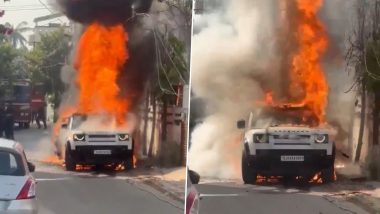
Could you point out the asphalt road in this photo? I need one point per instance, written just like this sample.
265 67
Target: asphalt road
60 193
235 197
87 192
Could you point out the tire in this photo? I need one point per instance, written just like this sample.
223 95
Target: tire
328 174
26 125
249 175
69 160
128 163
288 180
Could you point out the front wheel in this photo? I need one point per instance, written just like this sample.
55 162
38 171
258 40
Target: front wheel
128 163
69 160
248 173
328 174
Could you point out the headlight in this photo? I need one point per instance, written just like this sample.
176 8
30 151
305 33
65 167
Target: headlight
321 138
79 137
123 137
260 138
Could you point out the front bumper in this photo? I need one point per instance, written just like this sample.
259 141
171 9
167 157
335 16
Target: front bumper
86 154
28 206
268 162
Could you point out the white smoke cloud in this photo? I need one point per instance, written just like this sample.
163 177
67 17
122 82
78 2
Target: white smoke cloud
229 54
103 123
338 16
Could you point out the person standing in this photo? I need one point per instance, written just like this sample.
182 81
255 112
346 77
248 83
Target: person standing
41 116
9 122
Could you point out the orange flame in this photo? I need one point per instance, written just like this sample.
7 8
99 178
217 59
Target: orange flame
306 73
308 85
53 160
134 161
102 53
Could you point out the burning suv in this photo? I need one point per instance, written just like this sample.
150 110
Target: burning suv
79 144
279 145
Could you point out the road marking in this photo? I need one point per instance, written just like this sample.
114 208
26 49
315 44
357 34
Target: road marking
52 179
218 195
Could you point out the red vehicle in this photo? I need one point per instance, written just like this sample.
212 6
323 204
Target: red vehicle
25 99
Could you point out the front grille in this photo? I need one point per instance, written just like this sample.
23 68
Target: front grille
101 136
297 137
292 144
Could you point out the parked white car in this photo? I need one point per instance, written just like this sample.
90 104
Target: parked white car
17 185
79 145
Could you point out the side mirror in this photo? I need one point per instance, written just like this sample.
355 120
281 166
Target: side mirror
31 167
64 126
241 124
194 177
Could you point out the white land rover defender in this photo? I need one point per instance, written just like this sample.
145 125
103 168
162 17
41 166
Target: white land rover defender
93 147
274 147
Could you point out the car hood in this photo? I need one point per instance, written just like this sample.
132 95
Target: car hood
77 131
11 186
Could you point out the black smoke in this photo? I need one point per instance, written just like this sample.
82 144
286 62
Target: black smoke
104 11
141 64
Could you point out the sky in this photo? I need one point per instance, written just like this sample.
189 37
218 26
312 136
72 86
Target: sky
17 11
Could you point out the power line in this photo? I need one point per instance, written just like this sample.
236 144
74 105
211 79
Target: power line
21 5
159 67
52 12
26 9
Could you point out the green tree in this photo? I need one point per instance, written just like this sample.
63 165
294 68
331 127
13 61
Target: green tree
173 69
46 60
12 66
16 38
364 56
7 55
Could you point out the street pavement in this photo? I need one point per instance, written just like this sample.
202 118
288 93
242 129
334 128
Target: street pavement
231 196
95 192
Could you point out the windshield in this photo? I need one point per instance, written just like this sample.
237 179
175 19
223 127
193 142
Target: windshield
21 93
266 120
78 120
11 164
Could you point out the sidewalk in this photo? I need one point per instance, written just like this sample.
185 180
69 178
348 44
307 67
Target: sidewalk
170 181
353 186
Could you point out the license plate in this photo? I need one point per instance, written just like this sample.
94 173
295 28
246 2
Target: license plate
102 152
292 158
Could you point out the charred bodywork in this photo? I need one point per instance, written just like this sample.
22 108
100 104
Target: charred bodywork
272 147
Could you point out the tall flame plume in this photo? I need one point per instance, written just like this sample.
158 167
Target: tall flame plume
102 54
308 86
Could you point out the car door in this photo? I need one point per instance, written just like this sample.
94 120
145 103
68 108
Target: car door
63 133
12 174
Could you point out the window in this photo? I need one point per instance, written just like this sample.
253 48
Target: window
21 93
11 164
77 121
